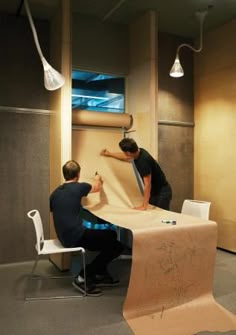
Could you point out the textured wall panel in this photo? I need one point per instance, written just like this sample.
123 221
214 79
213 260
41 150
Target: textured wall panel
24 182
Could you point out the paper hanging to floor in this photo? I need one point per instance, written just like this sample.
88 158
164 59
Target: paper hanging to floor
170 288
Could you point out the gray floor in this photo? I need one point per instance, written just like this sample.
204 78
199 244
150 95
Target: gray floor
86 316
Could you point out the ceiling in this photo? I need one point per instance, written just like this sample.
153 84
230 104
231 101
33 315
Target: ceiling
175 16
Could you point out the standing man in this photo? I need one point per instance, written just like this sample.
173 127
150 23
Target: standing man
157 191
68 216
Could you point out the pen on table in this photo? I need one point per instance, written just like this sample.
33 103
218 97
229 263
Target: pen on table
173 222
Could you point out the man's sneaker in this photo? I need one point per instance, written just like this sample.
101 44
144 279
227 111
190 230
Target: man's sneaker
91 290
105 281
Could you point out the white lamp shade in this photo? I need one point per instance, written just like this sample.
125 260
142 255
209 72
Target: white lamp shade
52 78
176 70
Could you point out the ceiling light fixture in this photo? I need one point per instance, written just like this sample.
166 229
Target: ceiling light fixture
52 78
177 70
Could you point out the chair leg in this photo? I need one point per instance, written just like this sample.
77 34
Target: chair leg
34 266
32 276
84 267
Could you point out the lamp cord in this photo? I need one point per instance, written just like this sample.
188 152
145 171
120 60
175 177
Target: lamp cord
113 9
33 29
19 8
201 19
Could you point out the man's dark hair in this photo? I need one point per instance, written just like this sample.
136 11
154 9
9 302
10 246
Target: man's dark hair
70 170
128 145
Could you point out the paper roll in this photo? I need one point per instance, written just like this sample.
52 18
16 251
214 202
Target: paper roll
101 119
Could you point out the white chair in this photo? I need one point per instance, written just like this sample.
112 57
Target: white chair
47 247
196 208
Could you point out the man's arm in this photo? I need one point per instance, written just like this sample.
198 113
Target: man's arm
97 184
117 155
146 192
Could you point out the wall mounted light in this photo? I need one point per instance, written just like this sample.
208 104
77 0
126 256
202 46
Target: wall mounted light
52 78
177 70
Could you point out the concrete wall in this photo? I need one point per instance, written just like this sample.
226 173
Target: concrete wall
21 79
99 46
215 141
23 136
142 88
175 105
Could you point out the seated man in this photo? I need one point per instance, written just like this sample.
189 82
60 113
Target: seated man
68 214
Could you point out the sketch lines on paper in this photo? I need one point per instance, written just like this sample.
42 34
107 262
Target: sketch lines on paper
174 273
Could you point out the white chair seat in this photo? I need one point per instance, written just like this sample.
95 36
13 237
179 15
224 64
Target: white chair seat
55 247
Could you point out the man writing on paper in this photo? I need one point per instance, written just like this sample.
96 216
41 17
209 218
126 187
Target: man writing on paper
69 217
157 191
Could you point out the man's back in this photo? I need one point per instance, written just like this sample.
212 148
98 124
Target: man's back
65 204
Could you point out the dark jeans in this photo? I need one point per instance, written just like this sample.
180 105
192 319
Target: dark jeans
106 243
163 198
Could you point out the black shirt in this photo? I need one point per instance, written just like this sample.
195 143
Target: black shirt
147 165
65 205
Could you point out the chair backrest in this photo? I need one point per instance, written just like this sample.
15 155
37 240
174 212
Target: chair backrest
35 216
196 208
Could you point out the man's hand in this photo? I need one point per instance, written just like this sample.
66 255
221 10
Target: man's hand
141 208
98 178
97 184
121 156
105 152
